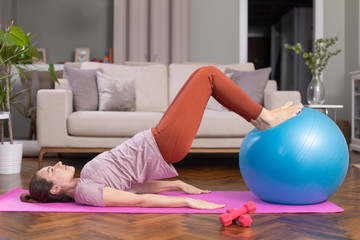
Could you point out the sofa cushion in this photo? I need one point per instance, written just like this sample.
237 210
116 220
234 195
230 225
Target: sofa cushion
252 82
179 73
151 83
83 87
110 124
223 124
127 124
115 93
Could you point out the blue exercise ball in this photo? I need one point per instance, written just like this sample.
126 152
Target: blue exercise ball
303 160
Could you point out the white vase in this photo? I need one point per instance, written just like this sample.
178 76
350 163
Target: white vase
10 157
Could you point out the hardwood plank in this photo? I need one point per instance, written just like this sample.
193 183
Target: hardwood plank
209 171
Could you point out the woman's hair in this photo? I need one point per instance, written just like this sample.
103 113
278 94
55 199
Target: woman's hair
39 190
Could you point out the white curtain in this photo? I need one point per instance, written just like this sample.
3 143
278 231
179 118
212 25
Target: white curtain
152 31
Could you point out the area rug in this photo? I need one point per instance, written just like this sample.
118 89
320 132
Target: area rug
10 202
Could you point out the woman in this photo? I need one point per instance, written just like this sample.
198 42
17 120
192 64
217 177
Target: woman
124 176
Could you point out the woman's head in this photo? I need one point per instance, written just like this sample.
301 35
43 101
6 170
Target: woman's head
49 183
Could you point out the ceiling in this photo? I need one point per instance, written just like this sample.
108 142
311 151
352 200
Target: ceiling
267 12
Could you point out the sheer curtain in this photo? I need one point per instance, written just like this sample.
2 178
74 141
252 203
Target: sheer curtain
152 31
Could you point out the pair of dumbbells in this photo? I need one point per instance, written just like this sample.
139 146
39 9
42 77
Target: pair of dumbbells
241 215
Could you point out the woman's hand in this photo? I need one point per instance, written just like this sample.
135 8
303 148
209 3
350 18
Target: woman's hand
190 189
201 204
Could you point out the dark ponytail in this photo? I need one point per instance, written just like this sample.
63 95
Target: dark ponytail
39 190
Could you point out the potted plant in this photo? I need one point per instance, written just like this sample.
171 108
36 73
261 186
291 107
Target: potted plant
15 52
316 62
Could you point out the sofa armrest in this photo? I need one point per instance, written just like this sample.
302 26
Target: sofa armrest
275 99
53 109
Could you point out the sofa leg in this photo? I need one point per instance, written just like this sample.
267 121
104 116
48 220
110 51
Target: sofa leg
41 156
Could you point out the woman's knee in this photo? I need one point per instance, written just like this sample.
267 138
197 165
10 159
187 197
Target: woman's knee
209 69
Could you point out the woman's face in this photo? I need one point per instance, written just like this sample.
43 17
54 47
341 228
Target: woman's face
59 174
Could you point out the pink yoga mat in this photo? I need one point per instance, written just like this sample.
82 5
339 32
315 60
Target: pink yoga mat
10 202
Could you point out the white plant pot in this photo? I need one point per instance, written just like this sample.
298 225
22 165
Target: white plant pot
10 157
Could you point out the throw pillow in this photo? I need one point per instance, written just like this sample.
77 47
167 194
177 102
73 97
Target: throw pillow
116 93
215 105
83 86
252 83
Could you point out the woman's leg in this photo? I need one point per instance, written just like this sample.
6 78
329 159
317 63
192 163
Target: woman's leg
176 130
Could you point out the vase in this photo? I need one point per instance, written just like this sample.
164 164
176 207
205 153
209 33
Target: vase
10 157
315 91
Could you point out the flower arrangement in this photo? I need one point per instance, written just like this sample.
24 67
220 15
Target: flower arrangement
318 60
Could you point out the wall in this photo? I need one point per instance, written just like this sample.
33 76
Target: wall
335 79
352 47
214 35
62 26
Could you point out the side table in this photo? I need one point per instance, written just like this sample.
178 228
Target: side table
326 108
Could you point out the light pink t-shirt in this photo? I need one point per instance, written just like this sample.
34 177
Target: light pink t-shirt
137 160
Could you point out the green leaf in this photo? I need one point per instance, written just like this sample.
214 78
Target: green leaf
10 40
20 36
52 73
1 60
33 52
21 72
2 36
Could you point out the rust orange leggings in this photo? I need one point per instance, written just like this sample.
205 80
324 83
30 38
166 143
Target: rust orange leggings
176 130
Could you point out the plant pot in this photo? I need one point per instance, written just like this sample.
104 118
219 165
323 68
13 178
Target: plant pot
4 115
10 157
316 91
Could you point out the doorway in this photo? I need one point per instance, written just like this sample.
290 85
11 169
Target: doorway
271 23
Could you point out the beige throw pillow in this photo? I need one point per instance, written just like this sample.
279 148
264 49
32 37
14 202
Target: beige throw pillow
115 93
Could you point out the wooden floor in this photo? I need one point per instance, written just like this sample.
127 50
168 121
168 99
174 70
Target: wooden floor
212 172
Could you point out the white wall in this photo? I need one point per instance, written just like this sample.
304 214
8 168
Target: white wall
214 35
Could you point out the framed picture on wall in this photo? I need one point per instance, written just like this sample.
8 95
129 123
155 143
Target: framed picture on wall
82 54
42 57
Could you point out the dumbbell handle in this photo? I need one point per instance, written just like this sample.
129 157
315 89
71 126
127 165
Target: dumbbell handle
236 213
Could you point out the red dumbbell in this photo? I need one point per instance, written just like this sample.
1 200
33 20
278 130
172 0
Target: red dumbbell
231 214
244 220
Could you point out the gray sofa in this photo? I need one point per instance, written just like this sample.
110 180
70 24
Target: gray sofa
63 130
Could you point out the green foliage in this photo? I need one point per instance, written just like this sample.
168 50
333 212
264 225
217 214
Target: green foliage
318 60
15 53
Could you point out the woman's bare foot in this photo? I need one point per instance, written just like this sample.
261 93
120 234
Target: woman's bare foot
270 118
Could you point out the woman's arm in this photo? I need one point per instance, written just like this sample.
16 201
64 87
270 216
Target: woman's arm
161 186
117 198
